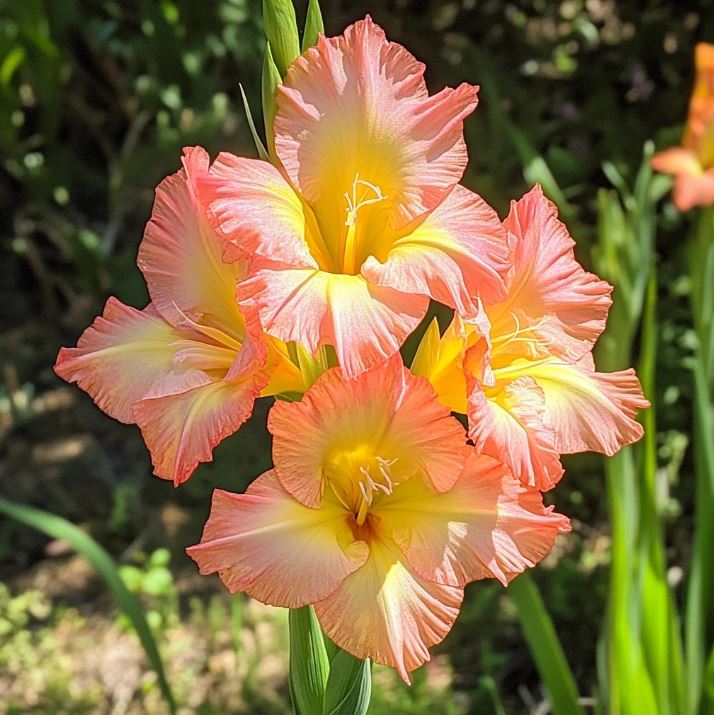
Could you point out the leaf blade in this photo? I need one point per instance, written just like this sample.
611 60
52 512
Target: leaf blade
59 528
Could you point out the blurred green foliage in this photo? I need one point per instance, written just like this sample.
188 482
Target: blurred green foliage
97 97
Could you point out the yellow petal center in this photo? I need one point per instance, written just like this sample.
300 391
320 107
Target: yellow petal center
360 480
355 226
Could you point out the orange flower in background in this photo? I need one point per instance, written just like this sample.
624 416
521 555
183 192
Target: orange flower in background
188 368
524 372
692 164
365 220
377 513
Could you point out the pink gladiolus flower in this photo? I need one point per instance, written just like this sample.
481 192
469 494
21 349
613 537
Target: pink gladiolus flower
364 221
524 373
692 164
188 368
378 514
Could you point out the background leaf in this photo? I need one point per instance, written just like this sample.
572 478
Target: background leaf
59 528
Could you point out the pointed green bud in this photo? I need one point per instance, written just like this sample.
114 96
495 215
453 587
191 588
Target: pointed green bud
280 27
313 25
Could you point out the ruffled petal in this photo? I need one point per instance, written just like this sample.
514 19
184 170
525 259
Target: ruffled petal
546 280
181 430
366 324
508 423
125 355
387 413
676 160
589 410
358 105
280 552
488 526
256 211
692 190
180 255
458 253
386 612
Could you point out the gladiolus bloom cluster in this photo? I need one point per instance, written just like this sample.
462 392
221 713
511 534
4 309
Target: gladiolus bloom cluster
692 163
301 278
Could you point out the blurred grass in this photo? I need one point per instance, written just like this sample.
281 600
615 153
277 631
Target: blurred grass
58 528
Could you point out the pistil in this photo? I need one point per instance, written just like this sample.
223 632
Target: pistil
354 204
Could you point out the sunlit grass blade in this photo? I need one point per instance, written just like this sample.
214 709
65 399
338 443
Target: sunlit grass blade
545 647
59 528
661 639
629 686
699 623
699 593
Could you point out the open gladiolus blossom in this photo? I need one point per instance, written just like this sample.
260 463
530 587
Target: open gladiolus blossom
692 163
300 277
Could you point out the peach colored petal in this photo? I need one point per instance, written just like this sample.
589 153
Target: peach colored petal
546 279
387 413
180 255
487 526
676 160
386 612
366 324
699 132
508 423
266 543
589 410
256 211
459 252
358 104
693 190
123 356
181 430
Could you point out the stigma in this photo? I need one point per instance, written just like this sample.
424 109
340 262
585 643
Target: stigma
354 204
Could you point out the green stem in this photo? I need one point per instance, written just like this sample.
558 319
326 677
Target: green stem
699 625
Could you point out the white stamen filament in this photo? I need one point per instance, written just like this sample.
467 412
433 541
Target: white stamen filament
369 486
354 205
517 335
